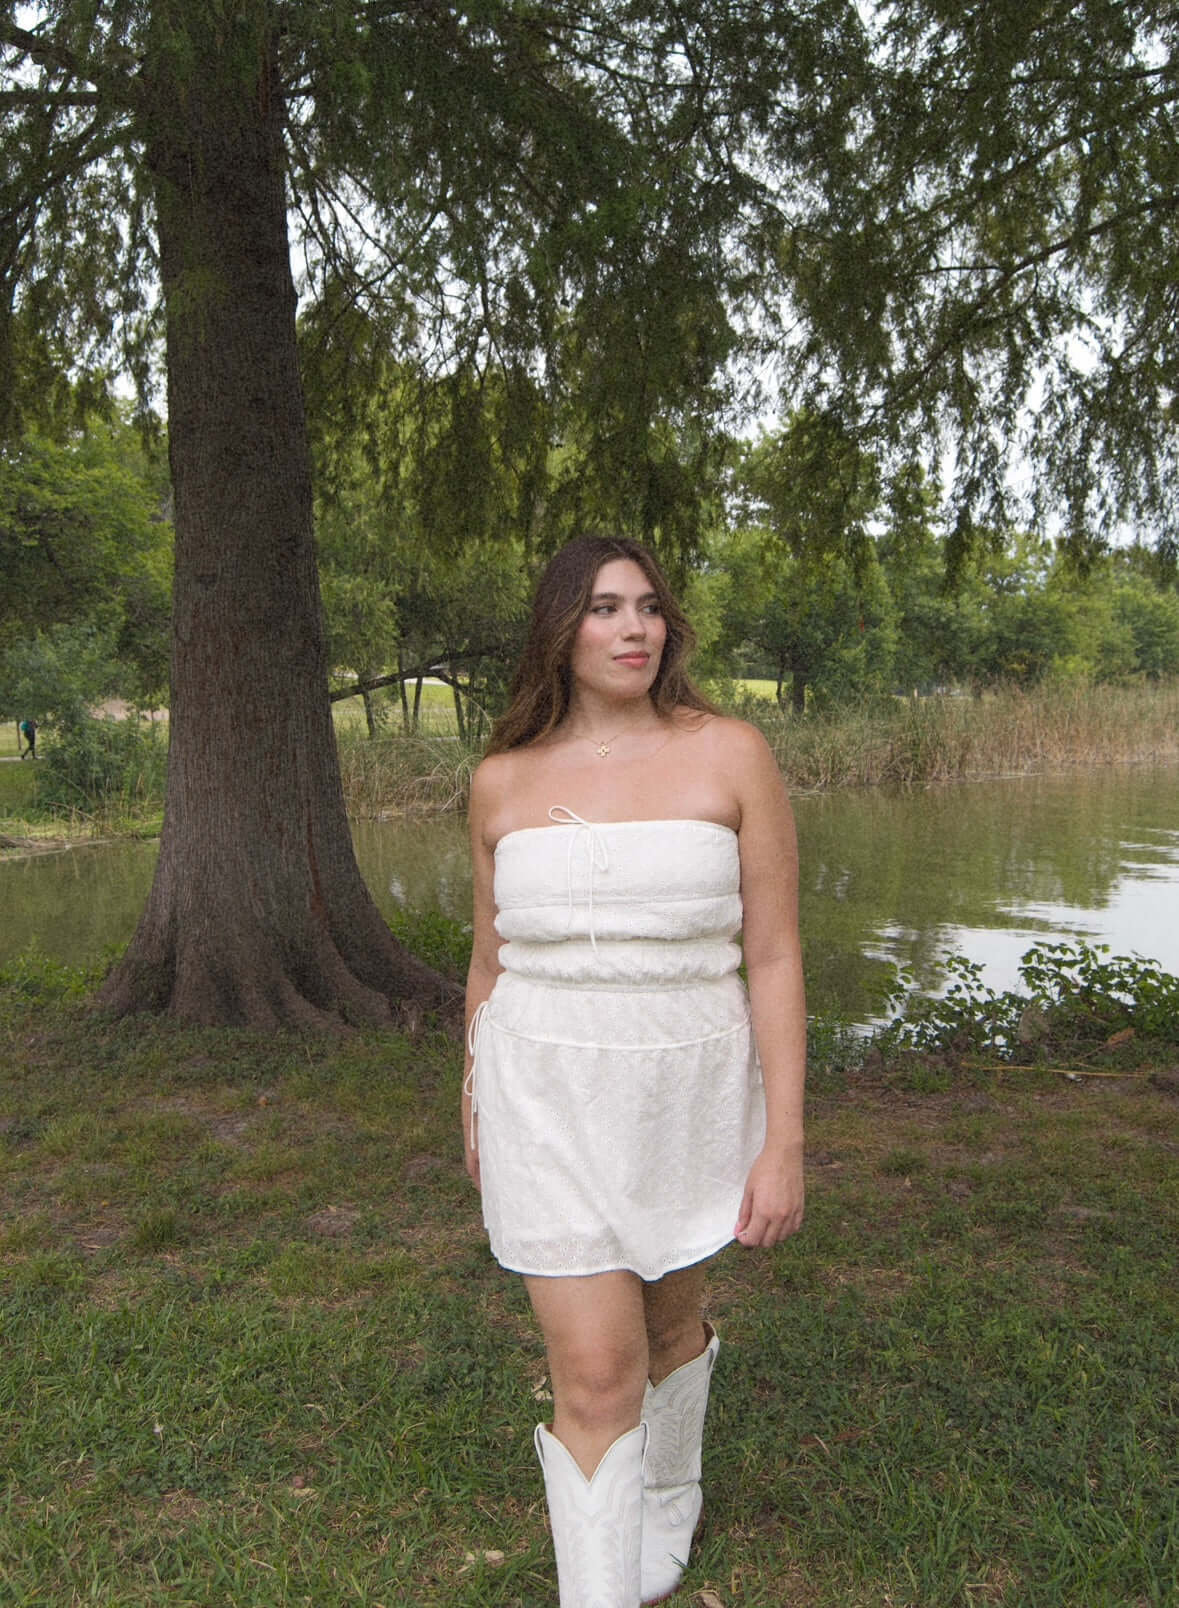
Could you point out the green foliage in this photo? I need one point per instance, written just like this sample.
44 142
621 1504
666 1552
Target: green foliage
1074 998
819 624
58 675
815 488
626 214
37 978
443 943
412 580
1000 226
967 1016
858 613
76 516
1092 994
1149 618
834 1053
83 543
99 765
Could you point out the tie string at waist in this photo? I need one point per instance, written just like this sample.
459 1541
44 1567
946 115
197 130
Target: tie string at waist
469 1089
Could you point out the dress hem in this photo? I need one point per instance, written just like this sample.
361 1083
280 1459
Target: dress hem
677 1265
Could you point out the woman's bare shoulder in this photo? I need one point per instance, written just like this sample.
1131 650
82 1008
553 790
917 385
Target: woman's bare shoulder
498 785
727 738
492 771
491 784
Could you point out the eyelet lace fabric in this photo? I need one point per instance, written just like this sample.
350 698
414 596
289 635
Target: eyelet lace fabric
619 1098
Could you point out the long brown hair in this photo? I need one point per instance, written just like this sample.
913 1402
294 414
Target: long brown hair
542 685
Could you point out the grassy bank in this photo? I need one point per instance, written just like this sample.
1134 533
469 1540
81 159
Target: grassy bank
254 1350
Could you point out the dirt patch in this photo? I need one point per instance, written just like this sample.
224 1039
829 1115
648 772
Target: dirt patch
100 1238
420 1169
334 1222
181 1507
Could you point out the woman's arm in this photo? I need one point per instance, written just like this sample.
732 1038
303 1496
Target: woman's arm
772 1207
485 966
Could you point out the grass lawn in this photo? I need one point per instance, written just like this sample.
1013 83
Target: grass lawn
254 1351
435 714
16 788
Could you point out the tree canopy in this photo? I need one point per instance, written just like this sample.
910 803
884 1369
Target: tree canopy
956 220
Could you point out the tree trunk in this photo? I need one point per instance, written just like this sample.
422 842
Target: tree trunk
258 913
401 690
459 719
798 686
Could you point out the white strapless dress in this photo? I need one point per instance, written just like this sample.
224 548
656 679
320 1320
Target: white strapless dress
619 1101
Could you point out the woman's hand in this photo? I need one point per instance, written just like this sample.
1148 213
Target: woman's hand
772 1206
470 1141
472 1158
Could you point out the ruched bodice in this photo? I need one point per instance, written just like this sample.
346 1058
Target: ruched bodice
618 1096
573 898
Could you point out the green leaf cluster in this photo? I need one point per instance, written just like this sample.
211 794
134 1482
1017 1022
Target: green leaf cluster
85 554
1072 995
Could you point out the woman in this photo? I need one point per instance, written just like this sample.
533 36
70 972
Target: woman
627 1109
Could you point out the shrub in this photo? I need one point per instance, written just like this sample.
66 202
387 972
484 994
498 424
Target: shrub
1072 995
100 765
436 939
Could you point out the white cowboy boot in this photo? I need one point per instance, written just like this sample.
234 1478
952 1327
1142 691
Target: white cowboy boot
673 1411
596 1523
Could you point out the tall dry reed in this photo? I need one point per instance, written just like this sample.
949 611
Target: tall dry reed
421 774
902 743
1010 733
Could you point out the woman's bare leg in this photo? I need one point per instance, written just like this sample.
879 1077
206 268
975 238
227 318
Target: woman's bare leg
673 1311
596 1338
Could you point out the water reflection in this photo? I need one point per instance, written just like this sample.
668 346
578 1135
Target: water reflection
987 870
888 879
421 865
75 903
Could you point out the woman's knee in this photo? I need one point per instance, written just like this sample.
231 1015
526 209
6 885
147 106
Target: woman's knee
599 1384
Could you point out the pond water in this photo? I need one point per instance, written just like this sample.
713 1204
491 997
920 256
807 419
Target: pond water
888 879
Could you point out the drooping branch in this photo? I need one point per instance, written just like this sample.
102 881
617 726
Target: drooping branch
50 100
46 51
427 667
972 315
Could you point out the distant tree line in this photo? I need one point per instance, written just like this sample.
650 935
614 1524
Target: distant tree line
819 573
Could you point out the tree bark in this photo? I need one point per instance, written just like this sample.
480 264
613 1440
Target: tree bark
459 720
798 686
258 913
402 692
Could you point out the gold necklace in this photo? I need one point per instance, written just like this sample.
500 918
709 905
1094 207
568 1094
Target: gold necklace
603 745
